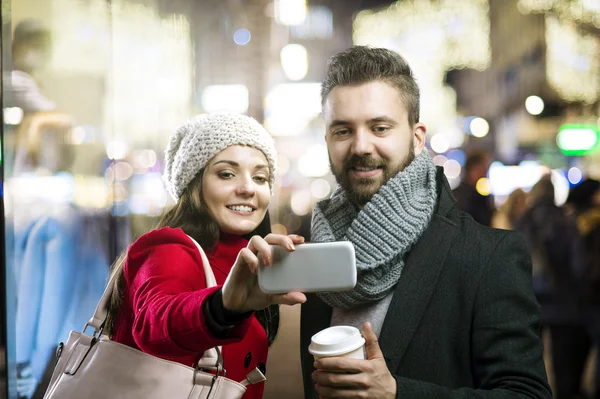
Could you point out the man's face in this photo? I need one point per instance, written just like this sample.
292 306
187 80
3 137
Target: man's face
368 137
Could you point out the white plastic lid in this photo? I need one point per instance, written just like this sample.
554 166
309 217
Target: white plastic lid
334 341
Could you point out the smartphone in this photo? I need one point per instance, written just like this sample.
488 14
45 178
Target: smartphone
314 267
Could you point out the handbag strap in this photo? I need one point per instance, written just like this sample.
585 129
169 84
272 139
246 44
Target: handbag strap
211 359
98 319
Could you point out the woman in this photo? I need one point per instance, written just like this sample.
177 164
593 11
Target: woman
220 169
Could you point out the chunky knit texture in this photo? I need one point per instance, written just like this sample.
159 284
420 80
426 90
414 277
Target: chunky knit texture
194 143
382 232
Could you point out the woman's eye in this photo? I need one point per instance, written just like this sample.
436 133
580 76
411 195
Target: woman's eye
260 179
226 175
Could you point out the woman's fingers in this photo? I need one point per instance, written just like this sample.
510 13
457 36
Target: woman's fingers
291 298
250 259
296 239
261 247
281 240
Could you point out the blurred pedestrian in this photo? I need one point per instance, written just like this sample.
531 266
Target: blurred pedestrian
469 200
584 200
511 211
557 255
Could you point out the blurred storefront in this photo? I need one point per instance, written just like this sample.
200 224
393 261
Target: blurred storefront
91 92
544 76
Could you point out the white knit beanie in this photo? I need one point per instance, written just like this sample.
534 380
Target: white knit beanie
194 144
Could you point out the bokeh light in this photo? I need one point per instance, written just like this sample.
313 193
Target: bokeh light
534 105
483 186
439 143
320 188
452 169
479 127
242 37
294 61
301 202
575 175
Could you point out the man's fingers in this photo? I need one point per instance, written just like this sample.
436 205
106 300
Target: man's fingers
340 364
326 392
340 380
372 344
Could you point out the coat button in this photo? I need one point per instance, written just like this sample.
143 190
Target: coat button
247 360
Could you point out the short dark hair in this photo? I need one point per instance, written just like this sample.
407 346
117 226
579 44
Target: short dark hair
581 196
362 64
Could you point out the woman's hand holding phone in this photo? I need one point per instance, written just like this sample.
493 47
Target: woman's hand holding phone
241 292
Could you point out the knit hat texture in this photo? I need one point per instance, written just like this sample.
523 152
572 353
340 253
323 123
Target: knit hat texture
194 144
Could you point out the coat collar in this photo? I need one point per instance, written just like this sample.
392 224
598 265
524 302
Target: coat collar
414 289
419 278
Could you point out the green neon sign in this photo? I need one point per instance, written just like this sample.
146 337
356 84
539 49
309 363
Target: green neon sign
578 139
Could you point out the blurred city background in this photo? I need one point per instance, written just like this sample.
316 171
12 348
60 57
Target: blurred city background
92 89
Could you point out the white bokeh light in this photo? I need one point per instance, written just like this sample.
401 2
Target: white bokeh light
116 149
439 143
320 188
479 127
452 169
13 115
561 187
301 202
290 12
534 105
439 160
314 162
575 175
294 61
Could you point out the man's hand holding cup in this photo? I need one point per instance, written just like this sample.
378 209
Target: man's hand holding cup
350 366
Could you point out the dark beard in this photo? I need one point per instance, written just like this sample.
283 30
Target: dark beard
362 190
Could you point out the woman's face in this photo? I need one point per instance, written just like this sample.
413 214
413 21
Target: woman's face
235 187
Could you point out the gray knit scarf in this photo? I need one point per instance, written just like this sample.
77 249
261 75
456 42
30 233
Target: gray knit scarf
382 232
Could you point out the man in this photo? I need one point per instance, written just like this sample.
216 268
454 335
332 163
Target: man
468 199
445 304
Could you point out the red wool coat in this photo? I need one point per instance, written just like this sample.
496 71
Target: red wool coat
161 313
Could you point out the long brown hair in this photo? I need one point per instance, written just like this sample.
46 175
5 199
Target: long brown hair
191 215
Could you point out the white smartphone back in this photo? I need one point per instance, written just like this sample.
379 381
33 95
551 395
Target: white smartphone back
310 268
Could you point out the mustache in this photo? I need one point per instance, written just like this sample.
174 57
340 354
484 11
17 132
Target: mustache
365 161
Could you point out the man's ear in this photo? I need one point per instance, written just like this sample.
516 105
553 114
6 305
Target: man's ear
419 132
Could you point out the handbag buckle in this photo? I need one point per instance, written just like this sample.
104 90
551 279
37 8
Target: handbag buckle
97 332
218 369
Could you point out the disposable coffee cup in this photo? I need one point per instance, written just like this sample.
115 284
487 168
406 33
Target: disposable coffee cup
344 341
